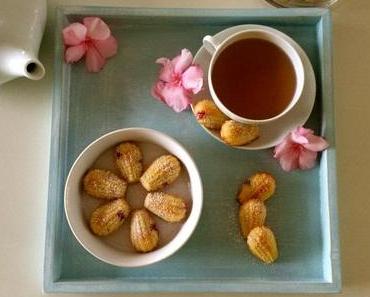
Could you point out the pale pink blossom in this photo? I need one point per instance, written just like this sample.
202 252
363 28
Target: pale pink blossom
178 80
91 39
299 148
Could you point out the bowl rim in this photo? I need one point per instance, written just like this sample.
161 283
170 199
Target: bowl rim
182 235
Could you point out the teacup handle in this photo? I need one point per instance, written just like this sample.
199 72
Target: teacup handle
210 44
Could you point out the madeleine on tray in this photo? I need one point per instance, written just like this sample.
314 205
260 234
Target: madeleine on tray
260 185
251 214
262 243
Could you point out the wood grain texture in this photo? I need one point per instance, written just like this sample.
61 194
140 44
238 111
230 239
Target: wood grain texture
302 213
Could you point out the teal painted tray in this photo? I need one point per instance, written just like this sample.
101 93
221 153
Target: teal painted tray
303 213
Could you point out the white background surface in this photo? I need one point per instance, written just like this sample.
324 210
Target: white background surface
25 115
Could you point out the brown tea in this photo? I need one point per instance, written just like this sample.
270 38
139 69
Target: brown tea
254 79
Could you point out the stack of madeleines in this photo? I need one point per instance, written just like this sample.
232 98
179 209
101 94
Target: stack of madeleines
252 215
231 132
104 184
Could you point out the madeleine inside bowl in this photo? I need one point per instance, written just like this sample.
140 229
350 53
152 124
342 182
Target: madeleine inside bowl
116 248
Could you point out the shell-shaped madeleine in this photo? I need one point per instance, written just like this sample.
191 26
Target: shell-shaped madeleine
251 214
234 133
170 208
261 242
261 185
144 234
109 217
208 114
104 184
128 159
163 171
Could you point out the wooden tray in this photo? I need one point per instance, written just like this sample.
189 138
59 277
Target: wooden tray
303 213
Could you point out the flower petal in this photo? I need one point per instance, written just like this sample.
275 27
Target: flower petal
298 136
175 97
163 61
156 90
283 147
94 60
192 79
96 28
74 34
316 143
181 62
303 131
307 159
74 53
289 160
107 48
166 74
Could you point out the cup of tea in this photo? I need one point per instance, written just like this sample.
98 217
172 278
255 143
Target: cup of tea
254 76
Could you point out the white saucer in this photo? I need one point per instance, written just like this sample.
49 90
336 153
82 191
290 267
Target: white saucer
270 133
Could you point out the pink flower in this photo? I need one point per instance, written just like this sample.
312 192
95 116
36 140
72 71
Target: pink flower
299 149
178 80
93 39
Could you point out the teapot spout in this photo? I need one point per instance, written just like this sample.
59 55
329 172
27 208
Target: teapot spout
34 70
16 63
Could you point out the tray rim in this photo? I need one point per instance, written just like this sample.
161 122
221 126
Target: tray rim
53 284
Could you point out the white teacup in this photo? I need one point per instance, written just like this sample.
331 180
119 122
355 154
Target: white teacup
215 49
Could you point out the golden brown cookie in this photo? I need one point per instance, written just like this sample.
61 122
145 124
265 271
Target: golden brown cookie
144 235
128 159
234 133
208 114
261 185
261 242
251 214
104 184
163 171
109 217
170 208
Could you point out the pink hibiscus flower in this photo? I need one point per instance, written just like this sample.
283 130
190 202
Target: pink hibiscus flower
299 149
92 38
178 80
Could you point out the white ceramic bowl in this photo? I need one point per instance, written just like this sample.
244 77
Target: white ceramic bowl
73 198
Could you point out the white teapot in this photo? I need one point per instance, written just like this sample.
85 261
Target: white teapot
22 25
